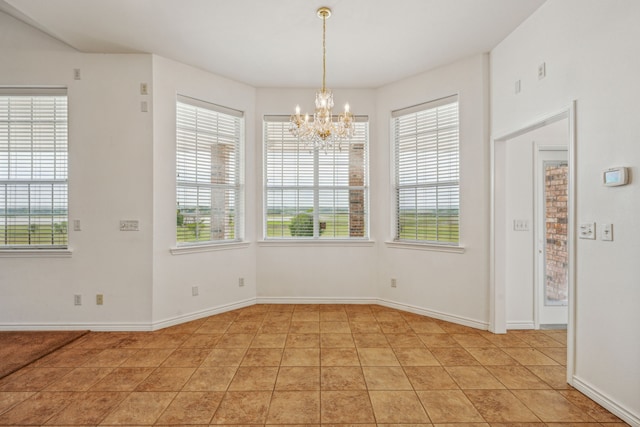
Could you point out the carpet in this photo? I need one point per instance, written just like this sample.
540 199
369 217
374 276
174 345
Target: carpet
18 349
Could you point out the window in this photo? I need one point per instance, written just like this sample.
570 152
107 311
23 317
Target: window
208 168
315 194
427 172
33 168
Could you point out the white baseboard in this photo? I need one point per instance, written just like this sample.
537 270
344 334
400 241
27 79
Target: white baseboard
385 303
115 327
125 327
520 325
142 327
172 321
460 320
315 300
606 402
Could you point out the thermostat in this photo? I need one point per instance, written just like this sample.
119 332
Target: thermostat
613 177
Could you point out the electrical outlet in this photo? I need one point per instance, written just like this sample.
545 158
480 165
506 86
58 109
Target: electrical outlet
144 89
542 71
194 291
77 299
241 282
99 299
76 74
76 225
144 106
394 283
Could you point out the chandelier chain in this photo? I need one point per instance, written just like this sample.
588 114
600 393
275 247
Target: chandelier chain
324 51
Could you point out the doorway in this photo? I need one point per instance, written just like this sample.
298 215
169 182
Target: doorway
551 177
502 226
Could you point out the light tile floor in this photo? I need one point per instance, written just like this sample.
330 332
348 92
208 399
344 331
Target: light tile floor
304 364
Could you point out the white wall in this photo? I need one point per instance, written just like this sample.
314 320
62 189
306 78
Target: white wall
109 179
320 271
592 56
216 273
449 285
519 204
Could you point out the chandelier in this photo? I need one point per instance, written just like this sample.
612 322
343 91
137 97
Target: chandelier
322 132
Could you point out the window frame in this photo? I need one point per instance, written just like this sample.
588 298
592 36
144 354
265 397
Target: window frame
58 167
316 188
399 241
237 187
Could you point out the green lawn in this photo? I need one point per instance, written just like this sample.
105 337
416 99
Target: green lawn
186 233
422 227
336 225
426 227
35 234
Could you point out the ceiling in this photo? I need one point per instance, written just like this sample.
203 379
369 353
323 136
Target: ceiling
278 43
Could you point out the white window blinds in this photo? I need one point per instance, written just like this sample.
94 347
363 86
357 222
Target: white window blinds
208 168
427 172
33 168
315 193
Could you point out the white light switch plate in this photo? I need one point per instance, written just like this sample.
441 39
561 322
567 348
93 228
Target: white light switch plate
587 230
607 232
129 225
520 225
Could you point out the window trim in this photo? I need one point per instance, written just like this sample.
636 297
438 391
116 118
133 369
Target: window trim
304 241
40 250
239 187
451 247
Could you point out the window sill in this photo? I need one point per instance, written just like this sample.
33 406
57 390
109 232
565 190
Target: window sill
35 253
426 247
192 249
316 242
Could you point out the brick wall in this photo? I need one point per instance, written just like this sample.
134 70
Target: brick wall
556 234
220 154
356 197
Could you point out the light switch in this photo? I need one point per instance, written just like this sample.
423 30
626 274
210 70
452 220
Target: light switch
587 230
129 225
520 225
607 232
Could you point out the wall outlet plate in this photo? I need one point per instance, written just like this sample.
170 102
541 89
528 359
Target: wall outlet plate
542 71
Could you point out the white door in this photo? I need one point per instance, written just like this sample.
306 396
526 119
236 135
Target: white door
551 235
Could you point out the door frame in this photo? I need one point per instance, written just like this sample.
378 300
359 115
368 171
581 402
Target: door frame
497 288
538 191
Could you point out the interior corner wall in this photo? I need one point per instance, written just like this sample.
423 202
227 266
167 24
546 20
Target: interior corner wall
110 143
216 273
316 272
452 286
592 55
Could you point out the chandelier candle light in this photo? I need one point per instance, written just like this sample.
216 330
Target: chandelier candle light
322 132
